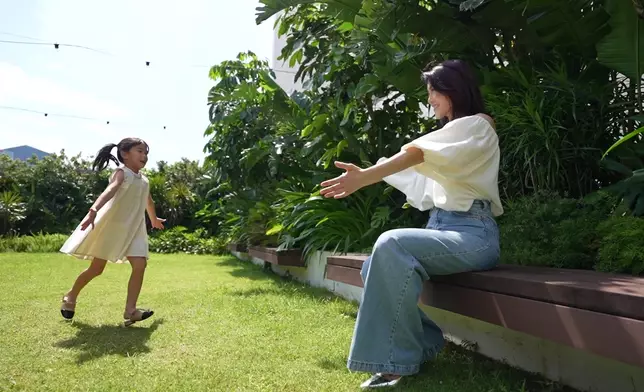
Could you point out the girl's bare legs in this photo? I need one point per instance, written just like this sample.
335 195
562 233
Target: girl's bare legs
134 289
136 282
68 307
95 269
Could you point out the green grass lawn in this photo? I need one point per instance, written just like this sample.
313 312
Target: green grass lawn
220 325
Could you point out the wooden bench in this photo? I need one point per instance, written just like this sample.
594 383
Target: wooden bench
597 312
234 247
286 258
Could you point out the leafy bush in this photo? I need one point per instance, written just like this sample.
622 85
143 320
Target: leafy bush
311 222
621 245
175 240
177 193
12 210
52 195
546 230
40 243
542 143
56 190
179 240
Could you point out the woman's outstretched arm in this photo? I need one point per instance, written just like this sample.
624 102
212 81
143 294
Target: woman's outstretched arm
355 178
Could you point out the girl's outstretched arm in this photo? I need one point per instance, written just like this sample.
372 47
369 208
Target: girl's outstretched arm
355 178
107 195
156 222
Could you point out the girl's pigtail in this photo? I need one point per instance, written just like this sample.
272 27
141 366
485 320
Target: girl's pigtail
104 157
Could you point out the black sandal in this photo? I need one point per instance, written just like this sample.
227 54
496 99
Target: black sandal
68 308
137 315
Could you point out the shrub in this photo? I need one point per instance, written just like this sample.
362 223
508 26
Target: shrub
179 240
546 230
12 210
621 245
176 240
40 243
311 222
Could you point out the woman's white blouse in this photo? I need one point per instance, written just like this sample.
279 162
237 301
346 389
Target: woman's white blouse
461 165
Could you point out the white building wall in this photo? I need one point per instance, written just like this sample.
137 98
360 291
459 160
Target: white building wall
284 75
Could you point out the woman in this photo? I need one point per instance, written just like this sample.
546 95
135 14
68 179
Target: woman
453 172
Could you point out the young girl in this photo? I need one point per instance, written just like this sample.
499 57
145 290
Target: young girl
116 225
453 172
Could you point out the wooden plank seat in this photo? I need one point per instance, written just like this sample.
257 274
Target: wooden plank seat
597 312
287 257
345 269
235 247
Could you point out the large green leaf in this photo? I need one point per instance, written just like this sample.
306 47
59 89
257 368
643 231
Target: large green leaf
632 191
623 48
624 139
368 84
272 7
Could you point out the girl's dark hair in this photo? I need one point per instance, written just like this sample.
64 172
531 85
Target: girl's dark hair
455 79
104 155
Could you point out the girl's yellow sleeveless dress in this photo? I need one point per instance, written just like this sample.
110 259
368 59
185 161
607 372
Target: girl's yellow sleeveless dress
119 228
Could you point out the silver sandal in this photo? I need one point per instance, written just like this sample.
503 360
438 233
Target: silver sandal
378 381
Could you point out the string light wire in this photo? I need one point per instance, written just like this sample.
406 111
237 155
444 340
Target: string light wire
57 46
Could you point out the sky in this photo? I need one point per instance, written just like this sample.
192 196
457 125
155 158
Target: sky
179 39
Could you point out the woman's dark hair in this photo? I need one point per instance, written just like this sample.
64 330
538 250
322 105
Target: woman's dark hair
455 79
104 155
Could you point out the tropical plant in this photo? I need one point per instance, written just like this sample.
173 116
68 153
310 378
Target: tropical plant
177 191
560 95
12 210
558 108
57 191
311 222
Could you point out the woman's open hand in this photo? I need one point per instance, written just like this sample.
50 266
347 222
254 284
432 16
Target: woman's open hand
344 185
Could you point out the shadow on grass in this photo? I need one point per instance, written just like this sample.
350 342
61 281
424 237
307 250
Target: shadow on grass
248 270
468 370
458 369
282 285
96 341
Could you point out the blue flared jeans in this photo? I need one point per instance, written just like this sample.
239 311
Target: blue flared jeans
392 335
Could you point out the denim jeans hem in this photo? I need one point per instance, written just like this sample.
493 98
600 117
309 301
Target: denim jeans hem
392 368
388 368
432 353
